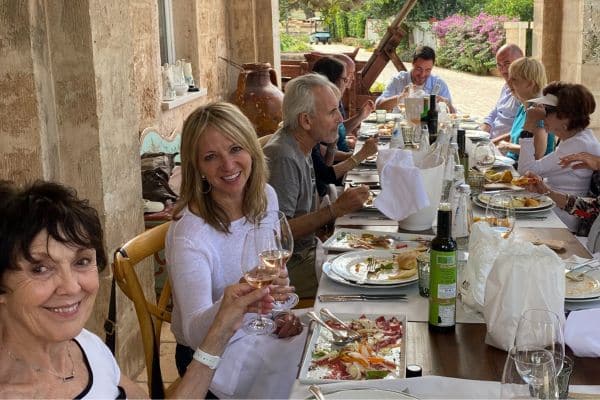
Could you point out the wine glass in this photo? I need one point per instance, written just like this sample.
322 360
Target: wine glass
500 214
261 264
278 221
529 376
541 330
484 155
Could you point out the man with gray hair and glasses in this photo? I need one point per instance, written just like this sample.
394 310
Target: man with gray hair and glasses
500 119
310 116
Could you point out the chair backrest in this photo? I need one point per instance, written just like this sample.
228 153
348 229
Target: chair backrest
150 314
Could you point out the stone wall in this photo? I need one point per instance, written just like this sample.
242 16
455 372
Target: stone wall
81 79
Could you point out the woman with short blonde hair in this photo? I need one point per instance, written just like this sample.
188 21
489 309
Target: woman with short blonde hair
526 79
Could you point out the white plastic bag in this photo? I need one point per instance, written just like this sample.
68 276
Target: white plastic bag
484 246
523 276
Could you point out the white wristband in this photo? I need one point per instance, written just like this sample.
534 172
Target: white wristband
209 360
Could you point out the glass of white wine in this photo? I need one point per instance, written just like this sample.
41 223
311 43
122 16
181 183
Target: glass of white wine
529 376
278 221
500 214
261 264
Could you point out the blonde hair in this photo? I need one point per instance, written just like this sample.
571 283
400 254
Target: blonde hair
195 191
529 69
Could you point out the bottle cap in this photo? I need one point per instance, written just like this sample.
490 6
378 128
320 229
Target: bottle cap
413 370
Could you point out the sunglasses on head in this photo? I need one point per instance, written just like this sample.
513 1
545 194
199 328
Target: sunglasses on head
549 109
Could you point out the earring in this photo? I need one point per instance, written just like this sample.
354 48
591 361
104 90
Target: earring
206 182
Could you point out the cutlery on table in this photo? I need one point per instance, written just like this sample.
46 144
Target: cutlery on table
576 274
326 313
340 337
316 391
325 298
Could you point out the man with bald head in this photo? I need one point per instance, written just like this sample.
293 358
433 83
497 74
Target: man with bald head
501 118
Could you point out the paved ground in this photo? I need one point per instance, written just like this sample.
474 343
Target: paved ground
472 94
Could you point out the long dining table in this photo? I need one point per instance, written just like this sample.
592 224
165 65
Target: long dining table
462 354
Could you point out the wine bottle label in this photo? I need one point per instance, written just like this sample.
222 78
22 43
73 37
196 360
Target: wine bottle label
442 288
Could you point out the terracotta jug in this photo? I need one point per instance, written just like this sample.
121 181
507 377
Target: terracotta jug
259 98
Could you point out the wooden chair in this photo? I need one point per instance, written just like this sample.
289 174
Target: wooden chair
150 314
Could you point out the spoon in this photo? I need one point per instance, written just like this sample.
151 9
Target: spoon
350 332
316 391
340 337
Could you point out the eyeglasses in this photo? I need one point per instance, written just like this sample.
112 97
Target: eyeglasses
345 79
550 109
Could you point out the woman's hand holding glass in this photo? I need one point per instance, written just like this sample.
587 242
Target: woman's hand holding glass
284 295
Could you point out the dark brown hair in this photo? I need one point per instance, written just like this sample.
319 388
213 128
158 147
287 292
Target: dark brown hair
575 102
49 206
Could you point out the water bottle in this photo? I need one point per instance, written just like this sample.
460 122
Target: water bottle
463 217
397 140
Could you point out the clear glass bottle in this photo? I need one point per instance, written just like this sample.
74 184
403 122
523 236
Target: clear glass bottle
397 140
463 217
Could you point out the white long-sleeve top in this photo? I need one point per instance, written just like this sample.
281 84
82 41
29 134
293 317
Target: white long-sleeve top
202 262
566 180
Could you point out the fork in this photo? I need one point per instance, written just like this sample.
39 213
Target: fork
577 274
371 265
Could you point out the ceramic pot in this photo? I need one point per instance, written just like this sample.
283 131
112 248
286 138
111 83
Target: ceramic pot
259 98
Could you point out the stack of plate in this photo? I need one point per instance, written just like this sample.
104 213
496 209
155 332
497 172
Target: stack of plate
546 203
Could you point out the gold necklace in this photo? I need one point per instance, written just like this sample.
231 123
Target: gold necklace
39 369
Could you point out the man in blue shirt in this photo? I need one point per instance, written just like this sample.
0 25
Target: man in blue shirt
418 76
500 119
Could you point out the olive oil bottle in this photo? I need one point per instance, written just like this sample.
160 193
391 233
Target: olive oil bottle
442 278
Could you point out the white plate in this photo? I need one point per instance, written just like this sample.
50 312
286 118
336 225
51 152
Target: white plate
336 278
365 393
475 134
388 117
545 202
468 125
339 240
321 338
586 290
541 212
352 267
502 161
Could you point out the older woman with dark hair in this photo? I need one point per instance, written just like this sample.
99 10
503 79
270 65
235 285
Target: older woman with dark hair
565 109
224 191
50 254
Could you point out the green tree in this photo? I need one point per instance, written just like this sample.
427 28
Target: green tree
522 9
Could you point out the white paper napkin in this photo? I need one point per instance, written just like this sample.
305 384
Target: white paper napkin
582 332
402 189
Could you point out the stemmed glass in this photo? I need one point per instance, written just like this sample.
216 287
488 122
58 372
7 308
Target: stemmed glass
261 264
500 214
541 330
484 155
529 376
278 221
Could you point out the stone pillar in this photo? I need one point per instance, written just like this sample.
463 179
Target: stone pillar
590 61
66 75
516 32
547 32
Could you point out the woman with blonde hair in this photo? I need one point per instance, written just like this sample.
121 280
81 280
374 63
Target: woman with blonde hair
526 78
223 193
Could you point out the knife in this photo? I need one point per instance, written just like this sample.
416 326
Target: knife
360 297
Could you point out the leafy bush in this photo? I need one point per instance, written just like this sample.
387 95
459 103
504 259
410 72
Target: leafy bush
469 43
293 43
521 9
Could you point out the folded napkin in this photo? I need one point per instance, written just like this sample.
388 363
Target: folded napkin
582 332
402 189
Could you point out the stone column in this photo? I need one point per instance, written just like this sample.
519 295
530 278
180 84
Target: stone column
547 31
66 74
590 61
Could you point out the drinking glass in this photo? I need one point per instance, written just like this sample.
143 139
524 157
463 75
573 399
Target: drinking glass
528 376
500 214
278 221
261 264
541 330
484 155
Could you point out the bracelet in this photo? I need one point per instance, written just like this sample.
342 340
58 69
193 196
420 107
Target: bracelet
331 212
209 360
